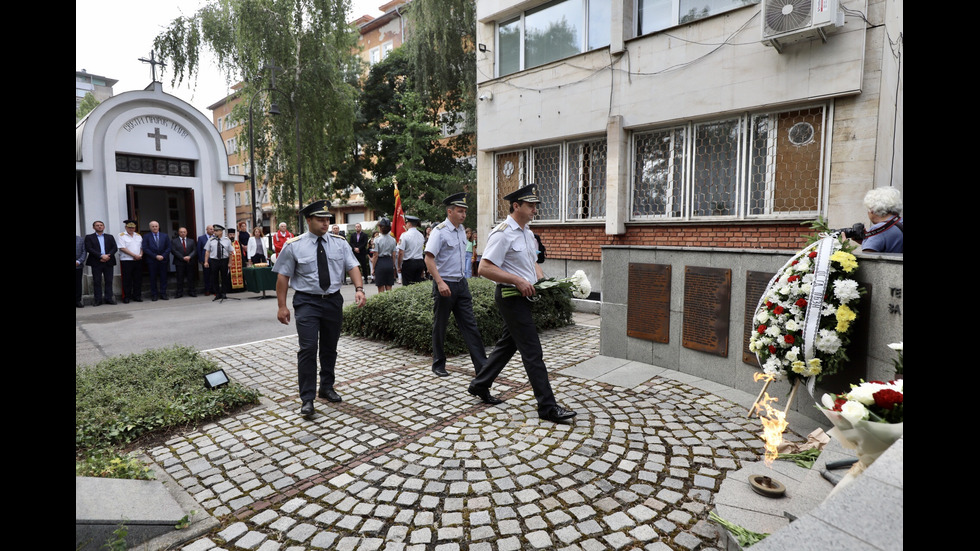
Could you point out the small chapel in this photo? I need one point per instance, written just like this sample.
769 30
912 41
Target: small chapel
147 155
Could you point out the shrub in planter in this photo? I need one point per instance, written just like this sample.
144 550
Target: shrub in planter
404 317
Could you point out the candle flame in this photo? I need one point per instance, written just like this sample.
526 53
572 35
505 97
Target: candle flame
773 421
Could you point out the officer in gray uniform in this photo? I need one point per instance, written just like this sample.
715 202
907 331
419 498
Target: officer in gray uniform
509 259
314 264
445 255
410 252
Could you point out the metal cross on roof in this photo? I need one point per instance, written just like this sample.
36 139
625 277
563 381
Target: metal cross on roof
153 63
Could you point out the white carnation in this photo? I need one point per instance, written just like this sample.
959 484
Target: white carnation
827 341
846 290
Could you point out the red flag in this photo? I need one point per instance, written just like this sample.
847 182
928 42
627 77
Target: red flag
398 224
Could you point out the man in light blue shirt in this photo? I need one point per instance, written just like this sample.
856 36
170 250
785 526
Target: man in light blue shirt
445 258
314 264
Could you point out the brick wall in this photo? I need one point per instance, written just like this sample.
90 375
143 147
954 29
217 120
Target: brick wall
585 242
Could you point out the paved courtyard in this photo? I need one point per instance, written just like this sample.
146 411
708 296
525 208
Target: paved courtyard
410 461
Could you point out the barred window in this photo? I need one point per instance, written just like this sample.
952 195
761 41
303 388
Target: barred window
547 175
755 165
586 180
571 179
657 169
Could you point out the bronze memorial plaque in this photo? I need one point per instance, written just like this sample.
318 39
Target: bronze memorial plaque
707 309
755 287
648 302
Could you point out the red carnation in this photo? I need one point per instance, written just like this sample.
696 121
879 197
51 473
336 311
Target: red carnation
813 254
790 339
886 398
778 310
762 329
839 403
792 278
772 349
801 303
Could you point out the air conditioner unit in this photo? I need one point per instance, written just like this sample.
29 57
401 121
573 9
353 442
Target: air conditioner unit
788 21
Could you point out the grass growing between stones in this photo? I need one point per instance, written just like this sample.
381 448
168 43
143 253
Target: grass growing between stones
120 400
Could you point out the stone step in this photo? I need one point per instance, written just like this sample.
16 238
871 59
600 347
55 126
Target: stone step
144 507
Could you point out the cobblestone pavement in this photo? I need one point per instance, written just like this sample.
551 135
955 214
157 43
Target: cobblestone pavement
411 461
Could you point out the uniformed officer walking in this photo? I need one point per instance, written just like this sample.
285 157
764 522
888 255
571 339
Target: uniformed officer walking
445 255
314 264
509 259
410 252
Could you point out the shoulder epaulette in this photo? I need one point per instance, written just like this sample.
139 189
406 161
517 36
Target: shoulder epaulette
288 241
338 236
441 225
500 227
122 234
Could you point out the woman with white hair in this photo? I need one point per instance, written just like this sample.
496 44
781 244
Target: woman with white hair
885 212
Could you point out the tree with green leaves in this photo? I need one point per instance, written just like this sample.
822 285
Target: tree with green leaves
86 106
307 49
402 142
442 53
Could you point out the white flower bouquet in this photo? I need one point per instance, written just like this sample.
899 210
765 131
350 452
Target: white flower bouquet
578 285
869 418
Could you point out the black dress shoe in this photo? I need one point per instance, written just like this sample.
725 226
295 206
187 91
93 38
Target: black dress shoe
97 303
440 371
110 301
329 395
484 396
79 305
192 294
307 409
125 301
558 414
153 299
164 297
138 299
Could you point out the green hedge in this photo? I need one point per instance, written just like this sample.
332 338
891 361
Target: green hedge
403 316
123 398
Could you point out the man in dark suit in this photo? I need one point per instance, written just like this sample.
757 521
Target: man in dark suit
185 253
156 247
101 248
359 244
202 241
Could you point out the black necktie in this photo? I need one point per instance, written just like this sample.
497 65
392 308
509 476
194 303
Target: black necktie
219 249
321 265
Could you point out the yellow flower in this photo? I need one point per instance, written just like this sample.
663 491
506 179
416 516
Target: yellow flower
844 318
813 367
847 261
798 367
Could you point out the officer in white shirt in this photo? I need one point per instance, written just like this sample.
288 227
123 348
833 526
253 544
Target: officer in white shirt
411 246
510 260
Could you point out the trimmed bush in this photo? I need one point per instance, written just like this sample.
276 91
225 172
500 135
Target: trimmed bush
121 399
404 316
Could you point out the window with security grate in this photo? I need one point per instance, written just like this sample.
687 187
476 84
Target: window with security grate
570 177
756 165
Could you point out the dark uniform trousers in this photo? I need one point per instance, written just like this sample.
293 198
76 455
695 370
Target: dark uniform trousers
220 278
520 334
460 304
131 273
412 270
318 320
